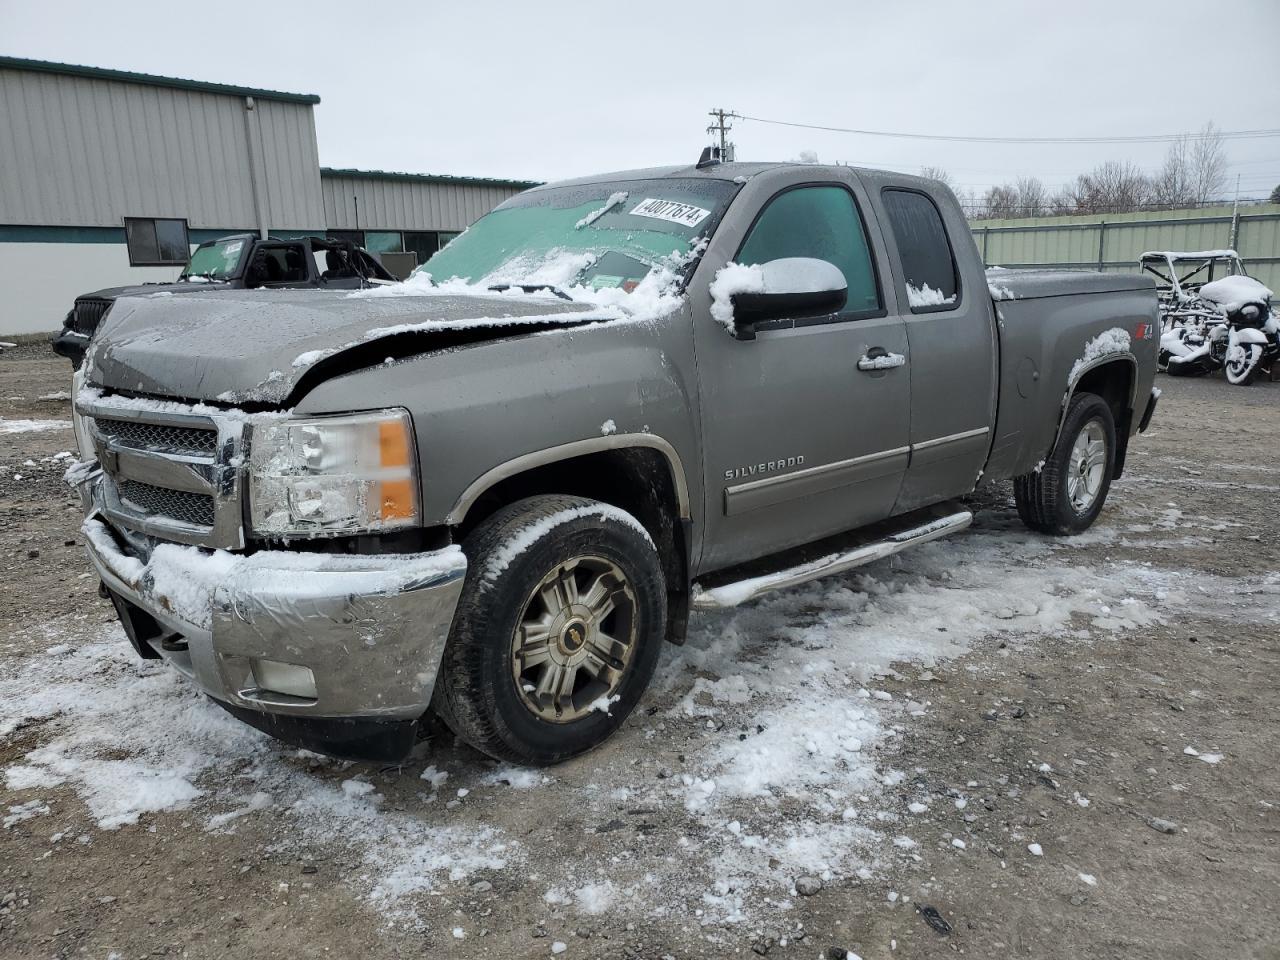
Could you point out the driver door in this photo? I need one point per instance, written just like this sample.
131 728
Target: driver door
799 442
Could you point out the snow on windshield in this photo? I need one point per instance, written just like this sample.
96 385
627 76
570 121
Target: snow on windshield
594 215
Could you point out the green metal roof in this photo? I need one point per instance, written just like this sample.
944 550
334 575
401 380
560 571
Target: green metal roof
125 76
429 178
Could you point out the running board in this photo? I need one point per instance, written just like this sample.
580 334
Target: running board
728 595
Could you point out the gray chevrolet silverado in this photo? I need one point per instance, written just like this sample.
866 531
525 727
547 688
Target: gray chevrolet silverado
491 493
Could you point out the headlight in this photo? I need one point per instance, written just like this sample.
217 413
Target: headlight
333 475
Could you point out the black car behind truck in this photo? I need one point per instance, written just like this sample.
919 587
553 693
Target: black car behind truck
237 262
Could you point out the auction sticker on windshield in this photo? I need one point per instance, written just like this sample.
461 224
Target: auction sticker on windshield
685 214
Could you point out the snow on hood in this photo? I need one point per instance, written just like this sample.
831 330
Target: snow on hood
1232 293
253 347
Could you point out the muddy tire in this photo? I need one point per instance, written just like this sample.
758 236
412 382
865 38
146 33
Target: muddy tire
557 633
1070 489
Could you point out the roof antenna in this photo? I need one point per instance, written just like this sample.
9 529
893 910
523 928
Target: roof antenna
709 158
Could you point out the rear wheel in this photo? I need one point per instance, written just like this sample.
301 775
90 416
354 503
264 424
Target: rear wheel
1068 492
1242 363
558 631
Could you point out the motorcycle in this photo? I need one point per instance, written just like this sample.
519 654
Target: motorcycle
1233 328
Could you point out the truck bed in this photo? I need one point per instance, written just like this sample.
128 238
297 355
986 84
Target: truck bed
1047 321
1008 285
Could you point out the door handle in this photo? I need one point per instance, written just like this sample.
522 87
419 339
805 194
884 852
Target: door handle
878 358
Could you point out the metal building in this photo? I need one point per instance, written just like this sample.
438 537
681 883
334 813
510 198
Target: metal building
109 177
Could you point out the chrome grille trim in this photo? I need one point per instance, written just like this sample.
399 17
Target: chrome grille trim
170 474
193 508
157 436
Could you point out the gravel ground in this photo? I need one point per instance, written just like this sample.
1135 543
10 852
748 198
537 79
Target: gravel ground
1027 696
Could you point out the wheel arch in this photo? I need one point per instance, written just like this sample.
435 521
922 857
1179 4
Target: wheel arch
1114 377
639 473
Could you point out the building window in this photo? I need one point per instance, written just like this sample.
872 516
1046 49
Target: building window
383 241
351 236
423 243
156 243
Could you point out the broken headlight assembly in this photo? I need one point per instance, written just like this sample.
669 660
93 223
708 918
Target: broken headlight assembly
326 476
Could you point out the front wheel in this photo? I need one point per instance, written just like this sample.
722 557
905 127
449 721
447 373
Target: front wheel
558 631
1242 364
1067 493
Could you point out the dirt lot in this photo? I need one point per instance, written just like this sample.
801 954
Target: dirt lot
996 728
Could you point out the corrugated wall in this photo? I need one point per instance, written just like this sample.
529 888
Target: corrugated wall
392 203
1114 242
77 151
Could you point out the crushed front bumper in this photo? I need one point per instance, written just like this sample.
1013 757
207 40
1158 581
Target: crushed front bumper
325 650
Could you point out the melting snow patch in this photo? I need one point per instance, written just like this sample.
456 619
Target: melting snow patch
32 426
24 811
794 776
132 738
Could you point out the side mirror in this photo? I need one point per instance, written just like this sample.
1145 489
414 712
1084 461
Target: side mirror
788 288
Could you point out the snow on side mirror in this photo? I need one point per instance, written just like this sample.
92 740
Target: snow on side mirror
785 289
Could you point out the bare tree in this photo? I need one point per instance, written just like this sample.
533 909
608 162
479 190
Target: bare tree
1172 185
1001 202
1208 165
1033 199
1111 187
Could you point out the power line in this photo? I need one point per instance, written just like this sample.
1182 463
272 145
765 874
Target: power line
1137 138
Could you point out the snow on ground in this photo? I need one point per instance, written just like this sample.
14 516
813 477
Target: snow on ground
32 426
787 738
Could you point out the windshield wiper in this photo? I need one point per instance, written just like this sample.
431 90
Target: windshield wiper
532 288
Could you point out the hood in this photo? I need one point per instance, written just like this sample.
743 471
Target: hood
111 293
260 348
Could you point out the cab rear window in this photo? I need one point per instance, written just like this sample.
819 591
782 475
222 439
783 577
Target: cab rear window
928 263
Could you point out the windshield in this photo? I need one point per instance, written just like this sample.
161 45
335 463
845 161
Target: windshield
599 235
215 260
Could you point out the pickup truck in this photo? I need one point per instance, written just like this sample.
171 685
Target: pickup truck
237 262
489 494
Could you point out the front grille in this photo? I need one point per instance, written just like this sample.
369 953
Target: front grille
177 504
157 436
88 313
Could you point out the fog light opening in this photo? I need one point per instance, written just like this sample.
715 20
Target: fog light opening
292 680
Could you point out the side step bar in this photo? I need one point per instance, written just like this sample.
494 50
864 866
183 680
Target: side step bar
731 594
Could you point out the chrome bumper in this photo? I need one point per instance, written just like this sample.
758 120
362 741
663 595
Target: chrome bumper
371 629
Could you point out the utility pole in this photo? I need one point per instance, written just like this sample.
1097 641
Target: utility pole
721 128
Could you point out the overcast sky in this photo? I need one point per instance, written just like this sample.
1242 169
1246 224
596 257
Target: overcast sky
556 89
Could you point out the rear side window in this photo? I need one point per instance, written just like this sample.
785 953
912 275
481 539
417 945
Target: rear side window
820 222
925 251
